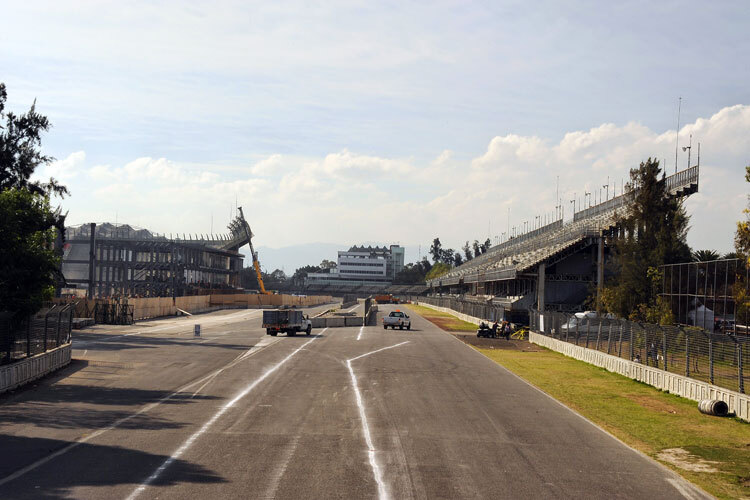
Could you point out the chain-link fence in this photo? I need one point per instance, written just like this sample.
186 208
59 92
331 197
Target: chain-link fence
47 329
717 358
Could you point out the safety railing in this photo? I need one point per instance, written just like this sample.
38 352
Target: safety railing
26 337
718 359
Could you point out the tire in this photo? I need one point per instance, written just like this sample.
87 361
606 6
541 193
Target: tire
400 327
291 333
268 331
309 329
408 327
385 327
273 334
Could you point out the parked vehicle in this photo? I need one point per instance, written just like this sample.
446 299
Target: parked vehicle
289 321
397 319
386 299
586 321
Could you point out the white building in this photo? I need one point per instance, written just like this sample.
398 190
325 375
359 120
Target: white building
362 266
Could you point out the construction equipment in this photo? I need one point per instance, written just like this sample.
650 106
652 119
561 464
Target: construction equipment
256 264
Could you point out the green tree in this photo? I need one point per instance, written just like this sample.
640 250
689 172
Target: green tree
29 262
705 255
653 233
467 251
742 236
457 259
327 265
436 250
477 248
413 273
439 269
301 273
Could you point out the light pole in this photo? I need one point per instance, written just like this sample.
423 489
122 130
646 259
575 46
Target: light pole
586 194
573 201
536 222
688 148
606 186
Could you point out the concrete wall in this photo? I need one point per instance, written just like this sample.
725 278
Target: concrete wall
24 371
155 307
666 381
337 321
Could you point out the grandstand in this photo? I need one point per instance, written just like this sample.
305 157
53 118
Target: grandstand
553 267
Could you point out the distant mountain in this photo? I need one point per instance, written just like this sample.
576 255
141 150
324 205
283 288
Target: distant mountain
311 254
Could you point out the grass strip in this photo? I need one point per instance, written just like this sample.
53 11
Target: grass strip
644 417
443 320
657 423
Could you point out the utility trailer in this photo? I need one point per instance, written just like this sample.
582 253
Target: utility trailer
289 321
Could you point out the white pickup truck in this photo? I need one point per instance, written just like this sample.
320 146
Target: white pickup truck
397 319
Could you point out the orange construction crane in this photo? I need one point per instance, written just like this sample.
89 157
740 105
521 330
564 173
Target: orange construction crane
256 264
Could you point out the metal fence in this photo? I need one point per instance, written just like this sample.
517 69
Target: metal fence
717 358
705 294
48 329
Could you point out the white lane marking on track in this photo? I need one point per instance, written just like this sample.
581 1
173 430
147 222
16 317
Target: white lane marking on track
360 333
250 352
189 442
680 487
376 472
276 479
353 308
117 423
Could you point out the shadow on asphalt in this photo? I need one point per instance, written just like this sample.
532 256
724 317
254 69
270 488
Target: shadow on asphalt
82 406
136 342
88 465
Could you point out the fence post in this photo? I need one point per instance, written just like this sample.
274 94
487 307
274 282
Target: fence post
577 333
631 343
739 368
599 335
664 348
567 327
57 333
619 349
46 315
588 330
711 358
609 337
687 353
28 337
645 343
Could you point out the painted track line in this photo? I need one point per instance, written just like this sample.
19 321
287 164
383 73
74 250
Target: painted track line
376 472
360 332
118 423
194 437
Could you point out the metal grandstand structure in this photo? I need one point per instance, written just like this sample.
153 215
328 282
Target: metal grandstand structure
554 266
109 260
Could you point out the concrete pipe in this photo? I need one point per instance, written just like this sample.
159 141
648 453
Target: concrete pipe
715 407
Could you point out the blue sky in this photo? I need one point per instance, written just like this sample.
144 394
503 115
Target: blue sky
357 108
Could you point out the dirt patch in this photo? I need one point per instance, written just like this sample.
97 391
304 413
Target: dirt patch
487 343
653 404
447 324
686 460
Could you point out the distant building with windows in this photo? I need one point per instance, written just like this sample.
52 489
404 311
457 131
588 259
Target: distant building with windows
362 266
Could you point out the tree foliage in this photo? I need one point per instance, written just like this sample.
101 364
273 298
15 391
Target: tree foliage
20 150
467 251
742 236
705 255
413 273
653 233
29 263
438 270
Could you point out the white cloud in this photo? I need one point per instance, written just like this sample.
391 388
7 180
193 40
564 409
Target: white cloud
347 197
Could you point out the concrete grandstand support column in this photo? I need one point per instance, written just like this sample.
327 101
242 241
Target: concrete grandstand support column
540 287
599 271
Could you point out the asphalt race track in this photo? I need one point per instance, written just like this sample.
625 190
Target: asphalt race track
151 411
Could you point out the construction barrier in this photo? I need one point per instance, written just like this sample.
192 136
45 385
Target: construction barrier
155 307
